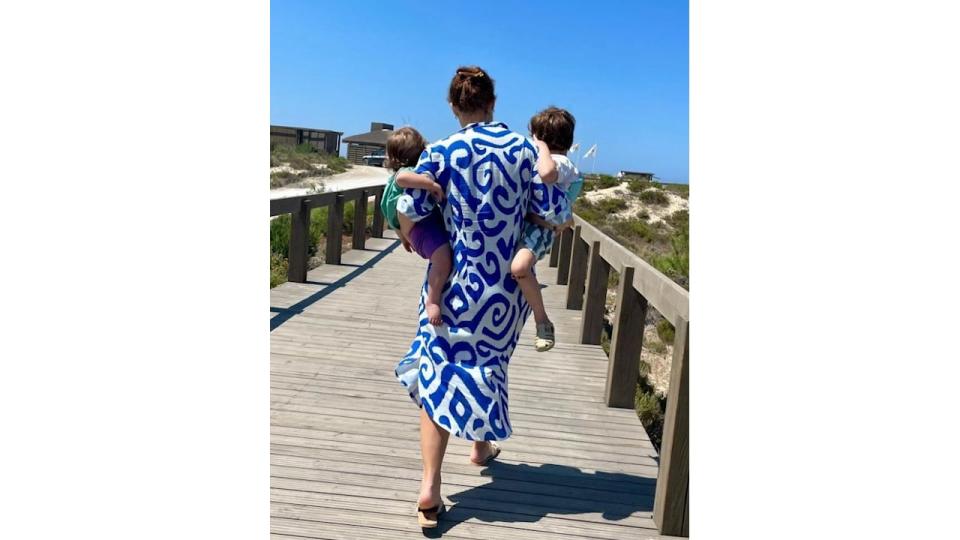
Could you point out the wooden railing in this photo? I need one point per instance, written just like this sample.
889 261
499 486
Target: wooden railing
583 257
300 207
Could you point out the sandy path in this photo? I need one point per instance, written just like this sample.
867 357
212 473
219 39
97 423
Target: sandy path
357 176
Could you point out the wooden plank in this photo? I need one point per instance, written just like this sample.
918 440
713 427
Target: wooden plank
360 221
377 230
578 271
670 299
595 298
298 255
334 232
670 508
563 263
626 343
344 434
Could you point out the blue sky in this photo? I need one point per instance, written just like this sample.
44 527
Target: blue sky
620 67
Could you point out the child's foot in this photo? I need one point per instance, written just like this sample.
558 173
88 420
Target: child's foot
545 338
433 314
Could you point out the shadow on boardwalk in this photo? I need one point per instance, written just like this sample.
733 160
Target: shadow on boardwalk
521 493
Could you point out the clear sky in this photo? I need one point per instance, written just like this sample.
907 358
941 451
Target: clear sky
620 67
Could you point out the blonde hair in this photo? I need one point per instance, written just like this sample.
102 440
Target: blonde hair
404 147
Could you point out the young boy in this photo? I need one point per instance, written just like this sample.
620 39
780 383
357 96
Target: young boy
427 237
552 130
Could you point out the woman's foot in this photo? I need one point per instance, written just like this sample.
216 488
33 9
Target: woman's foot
433 314
483 453
429 495
545 337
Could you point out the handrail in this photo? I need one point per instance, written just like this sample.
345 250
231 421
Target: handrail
289 205
301 205
670 299
584 257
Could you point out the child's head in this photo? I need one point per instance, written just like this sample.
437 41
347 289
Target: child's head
471 91
404 147
554 126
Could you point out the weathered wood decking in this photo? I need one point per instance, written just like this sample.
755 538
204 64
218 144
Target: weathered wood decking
345 461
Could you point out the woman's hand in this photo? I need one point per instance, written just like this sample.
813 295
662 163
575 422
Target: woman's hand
437 192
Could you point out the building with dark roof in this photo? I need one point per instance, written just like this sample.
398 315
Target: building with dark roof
648 176
374 142
323 140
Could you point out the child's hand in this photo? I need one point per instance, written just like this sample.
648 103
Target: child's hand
406 244
437 192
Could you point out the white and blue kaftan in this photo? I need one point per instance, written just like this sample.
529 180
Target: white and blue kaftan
458 371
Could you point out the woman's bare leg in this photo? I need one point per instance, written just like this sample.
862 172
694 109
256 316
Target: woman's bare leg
521 267
440 262
433 445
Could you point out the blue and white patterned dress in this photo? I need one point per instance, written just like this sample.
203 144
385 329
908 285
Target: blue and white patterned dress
458 372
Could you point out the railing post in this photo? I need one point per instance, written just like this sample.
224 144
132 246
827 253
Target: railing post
334 232
563 266
626 343
555 251
377 229
671 504
595 298
360 221
298 254
578 271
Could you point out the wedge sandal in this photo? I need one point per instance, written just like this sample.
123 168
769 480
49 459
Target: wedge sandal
429 517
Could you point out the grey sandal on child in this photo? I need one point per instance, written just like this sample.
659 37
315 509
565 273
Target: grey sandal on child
545 337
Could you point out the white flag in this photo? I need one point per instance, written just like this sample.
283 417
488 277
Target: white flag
575 147
591 152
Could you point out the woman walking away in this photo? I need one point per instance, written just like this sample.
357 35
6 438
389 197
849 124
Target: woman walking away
457 372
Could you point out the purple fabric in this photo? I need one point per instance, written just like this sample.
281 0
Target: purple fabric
428 234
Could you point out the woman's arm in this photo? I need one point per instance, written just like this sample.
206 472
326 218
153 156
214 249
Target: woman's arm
546 167
410 179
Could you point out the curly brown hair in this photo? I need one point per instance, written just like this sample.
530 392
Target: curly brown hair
404 147
471 90
554 126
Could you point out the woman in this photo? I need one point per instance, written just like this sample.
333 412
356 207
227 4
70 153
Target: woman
457 371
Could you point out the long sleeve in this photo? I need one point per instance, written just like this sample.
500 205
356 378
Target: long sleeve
417 204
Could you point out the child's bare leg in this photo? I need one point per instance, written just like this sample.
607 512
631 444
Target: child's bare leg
440 263
521 268
405 226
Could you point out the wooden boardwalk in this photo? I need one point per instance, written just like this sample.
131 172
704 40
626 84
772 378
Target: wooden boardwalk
345 459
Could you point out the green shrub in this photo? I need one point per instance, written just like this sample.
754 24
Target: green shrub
648 408
654 196
636 185
679 219
682 190
665 331
643 214
588 211
632 230
676 263
605 181
280 235
611 205
278 269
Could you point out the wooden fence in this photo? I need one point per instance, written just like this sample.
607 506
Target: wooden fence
300 207
583 257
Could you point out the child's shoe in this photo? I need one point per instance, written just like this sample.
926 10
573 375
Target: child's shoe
545 338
